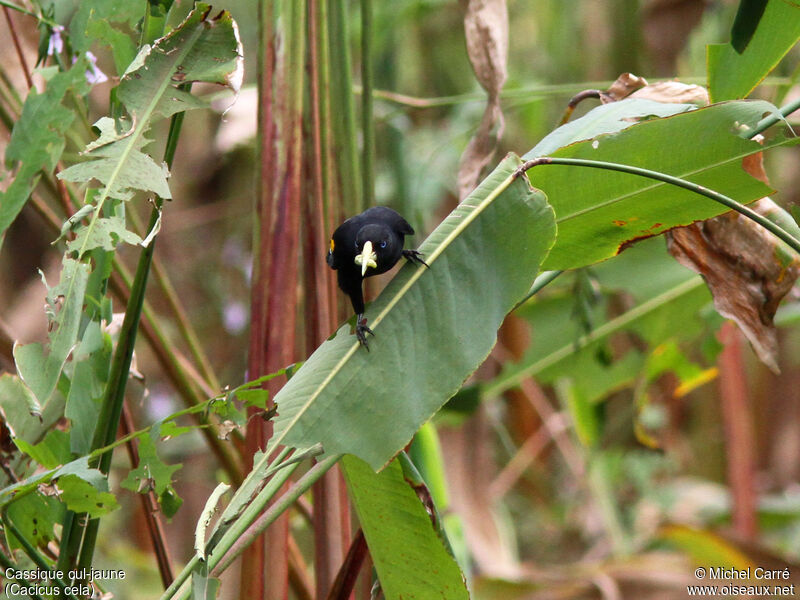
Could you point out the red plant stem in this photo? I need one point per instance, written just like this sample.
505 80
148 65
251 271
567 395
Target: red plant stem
266 574
577 99
63 193
253 582
322 274
149 508
739 434
331 518
348 575
18 47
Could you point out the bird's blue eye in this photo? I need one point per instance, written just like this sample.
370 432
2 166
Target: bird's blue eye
383 244
356 244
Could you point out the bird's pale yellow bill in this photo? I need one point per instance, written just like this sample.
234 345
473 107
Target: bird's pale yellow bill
367 258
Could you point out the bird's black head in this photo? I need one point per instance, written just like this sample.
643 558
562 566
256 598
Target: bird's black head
378 248
381 237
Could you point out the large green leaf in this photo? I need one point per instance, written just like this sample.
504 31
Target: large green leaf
600 212
733 74
410 558
202 48
433 327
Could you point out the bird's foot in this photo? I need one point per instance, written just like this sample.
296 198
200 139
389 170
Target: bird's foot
415 257
362 330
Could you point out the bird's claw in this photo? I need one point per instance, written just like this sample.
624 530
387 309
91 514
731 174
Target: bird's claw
415 257
362 330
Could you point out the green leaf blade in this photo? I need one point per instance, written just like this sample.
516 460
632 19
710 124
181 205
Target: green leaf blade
411 560
608 118
83 497
203 48
37 140
40 372
664 293
106 234
433 327
733 74
116 161
600 212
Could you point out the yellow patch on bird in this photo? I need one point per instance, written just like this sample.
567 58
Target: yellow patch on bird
332 244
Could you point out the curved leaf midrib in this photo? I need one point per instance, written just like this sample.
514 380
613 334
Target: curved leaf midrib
650 187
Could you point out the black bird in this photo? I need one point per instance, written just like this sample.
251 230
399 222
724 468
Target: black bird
365 245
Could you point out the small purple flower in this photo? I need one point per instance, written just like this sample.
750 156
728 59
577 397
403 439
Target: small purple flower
56 43
235 317
93 73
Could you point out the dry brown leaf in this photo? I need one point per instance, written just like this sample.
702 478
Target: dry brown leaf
486 30
673 92
624 86
225 428
746 269
49 489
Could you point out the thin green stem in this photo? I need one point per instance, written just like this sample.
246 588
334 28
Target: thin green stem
772 119
783 90
181 578
504 382
231 545
12 109
6 564
114 396
773 228
175 125
343 106
600 486
367 122
248 525
10 94
523 94
25 11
